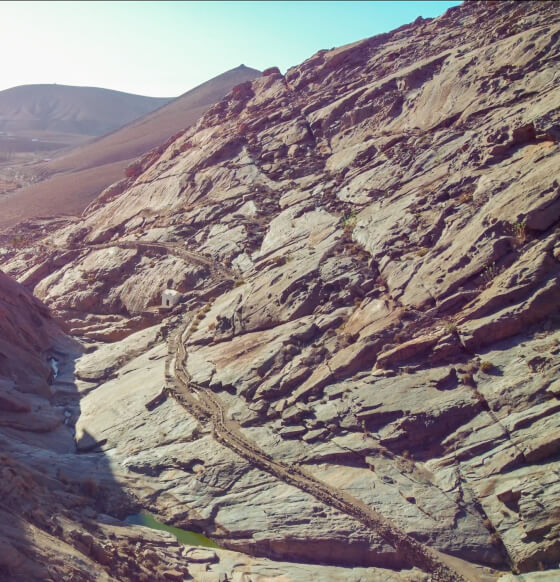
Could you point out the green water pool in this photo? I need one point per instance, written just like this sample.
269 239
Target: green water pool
183 536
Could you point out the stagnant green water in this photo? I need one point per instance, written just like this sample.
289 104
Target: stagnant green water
183 536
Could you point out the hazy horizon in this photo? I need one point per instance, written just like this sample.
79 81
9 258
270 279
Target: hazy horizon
155 48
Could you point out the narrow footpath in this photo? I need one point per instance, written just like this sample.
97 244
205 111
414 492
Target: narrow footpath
206 406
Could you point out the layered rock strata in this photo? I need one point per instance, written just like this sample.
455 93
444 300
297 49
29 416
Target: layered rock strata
368 253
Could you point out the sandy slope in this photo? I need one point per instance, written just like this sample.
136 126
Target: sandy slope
78 176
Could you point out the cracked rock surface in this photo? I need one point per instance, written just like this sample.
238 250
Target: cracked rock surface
368 253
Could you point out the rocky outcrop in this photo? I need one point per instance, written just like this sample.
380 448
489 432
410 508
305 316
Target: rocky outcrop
363 369
63 512
27 334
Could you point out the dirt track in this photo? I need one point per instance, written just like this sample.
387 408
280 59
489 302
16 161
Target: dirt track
206 406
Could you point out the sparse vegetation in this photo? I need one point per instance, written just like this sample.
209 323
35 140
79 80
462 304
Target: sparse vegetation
470 370
345 339
519 232
400 337
450 327
349 221
89 277
265 385
481 200
490 272
472 366
479 396
279 261
133 170
486 366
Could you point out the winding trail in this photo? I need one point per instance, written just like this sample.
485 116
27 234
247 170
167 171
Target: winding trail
207 407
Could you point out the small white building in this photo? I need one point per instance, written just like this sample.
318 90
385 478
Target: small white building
170 297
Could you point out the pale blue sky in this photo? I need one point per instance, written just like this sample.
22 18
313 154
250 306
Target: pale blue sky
165 48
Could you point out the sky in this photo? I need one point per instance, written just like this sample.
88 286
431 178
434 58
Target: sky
163 49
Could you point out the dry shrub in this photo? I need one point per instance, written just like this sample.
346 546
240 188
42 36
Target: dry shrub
486 366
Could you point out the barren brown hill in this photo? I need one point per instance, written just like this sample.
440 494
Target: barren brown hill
78 176
58 110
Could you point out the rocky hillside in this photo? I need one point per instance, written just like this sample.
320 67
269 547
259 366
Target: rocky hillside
363 371
71 180
52 500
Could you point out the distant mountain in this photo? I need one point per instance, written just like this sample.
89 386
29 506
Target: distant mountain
153 129
47 110
77 176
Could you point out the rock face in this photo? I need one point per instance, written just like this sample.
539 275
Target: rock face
27 332
363 371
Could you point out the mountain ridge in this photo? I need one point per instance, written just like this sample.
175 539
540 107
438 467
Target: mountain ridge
89 111
74 178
